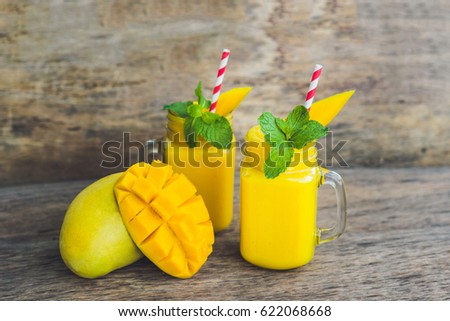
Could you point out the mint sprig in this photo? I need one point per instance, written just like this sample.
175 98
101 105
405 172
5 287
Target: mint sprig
214 128
285 135
278 160
202 101
179 108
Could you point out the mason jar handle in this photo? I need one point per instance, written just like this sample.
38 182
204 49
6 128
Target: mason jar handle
328 234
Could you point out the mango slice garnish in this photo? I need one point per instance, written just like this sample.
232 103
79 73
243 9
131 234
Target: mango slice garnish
326 109
165 217
230 100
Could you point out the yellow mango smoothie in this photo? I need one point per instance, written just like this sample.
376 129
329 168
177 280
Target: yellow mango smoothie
279 180
210 169
201 145
278 235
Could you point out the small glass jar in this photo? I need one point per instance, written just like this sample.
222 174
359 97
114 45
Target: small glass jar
278 216
210 169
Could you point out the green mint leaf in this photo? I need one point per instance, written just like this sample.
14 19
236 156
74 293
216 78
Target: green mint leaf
309 132
195 110
199 124
285 135
297 118
216 130
198 90
272 133
212 127
201 100
279 159
178 108
207 103
190 132
283 126
210 118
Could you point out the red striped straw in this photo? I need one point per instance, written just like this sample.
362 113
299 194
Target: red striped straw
219 80
313 86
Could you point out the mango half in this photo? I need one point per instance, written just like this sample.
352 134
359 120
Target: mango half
165 217
93 239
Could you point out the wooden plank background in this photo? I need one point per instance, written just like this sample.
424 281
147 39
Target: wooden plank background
76 74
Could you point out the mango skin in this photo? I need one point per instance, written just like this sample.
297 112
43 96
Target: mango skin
93 239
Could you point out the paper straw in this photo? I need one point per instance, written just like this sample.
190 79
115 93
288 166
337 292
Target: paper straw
219 79
313 86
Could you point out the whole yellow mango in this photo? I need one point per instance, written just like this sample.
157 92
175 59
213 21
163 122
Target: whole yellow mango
93 239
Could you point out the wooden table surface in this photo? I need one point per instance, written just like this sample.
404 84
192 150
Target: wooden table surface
396 247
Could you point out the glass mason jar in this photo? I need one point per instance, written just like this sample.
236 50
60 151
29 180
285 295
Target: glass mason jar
210 169
278 216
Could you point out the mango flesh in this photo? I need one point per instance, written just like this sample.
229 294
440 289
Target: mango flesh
93 239
325 110
230 100
165 217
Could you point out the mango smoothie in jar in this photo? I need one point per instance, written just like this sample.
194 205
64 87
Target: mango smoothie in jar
280 178
201 145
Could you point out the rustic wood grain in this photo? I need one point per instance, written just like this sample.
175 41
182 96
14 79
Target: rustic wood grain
76 74
396 247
